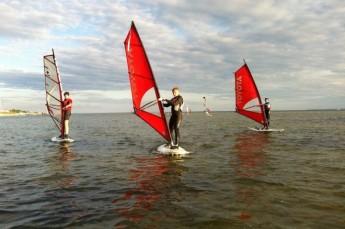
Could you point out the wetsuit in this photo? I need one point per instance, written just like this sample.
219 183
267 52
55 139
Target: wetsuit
67 112
176 116
267 109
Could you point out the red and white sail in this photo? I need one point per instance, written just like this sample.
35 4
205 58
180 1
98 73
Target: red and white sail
248 100
53 89
144 89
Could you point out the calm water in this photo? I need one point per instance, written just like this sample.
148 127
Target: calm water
234 178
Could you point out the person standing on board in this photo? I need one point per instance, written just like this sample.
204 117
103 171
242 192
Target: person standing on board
67 111
176 104
267 110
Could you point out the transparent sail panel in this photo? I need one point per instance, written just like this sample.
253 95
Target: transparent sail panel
53 90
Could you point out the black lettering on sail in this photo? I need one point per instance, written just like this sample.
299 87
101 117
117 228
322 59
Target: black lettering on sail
239 88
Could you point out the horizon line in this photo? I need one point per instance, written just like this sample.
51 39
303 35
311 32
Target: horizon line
129 112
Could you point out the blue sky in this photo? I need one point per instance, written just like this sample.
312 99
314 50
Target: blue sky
295 50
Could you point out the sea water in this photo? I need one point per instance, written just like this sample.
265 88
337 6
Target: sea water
110 177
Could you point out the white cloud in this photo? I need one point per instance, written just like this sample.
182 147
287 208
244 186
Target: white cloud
292 48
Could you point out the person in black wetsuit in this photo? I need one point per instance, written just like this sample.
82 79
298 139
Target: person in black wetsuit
176 116
267 109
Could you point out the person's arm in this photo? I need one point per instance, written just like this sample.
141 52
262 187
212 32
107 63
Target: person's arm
67 106
178 101
165 102
63 105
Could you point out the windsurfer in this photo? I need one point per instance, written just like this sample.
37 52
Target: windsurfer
267 109
176 104
67 111
207 110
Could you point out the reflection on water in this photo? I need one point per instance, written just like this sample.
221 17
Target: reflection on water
59 165
232 180
65 156
250 151
154 179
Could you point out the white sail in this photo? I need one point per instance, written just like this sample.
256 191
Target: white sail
53 89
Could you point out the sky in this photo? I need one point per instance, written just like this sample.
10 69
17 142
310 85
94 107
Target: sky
295 50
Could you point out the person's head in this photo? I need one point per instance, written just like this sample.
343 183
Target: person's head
267 99
66 94
175 91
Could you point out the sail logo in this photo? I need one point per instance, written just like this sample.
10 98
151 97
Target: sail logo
239 89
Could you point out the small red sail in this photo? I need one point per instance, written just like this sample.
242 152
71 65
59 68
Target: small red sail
248 100
53 91
145 93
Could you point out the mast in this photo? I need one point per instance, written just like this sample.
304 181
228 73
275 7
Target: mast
60 91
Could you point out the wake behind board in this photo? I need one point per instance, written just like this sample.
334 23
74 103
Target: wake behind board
265 130
57 139
165 149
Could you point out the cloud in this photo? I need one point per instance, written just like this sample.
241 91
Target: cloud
22 80
291 47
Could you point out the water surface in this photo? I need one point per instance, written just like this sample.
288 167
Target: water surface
110 176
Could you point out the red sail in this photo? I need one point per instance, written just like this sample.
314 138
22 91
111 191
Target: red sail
248 101
145 93
53 92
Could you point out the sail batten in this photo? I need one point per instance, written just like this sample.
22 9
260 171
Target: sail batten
53 90
52 79
248 100
144 89
53 98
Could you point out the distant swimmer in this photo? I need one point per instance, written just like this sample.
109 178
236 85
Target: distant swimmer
267 109
67 111
176 104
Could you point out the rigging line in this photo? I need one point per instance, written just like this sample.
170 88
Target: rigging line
55 105
56 121
243 109
46 75
148 105
259 105
55 108
45 57
53 97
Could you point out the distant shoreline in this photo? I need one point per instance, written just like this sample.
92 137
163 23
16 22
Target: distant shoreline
14 114
18 114
130 112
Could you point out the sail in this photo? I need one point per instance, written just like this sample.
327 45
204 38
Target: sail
145 93
53 91
248 100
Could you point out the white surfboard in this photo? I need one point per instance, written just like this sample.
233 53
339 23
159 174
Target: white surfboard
165 149
57 139
265 130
